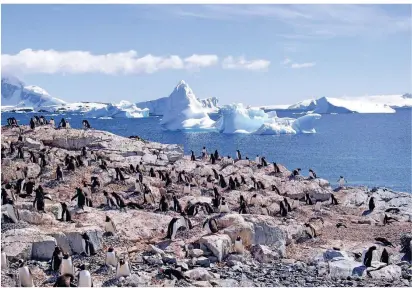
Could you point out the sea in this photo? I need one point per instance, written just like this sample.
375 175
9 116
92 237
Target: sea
371 150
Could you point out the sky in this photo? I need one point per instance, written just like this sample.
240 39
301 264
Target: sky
254 54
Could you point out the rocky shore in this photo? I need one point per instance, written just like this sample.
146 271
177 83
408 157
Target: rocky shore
279 250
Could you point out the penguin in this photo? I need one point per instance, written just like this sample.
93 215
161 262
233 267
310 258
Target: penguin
65 280
168 180
119 175
122 269
238 155
173 172
287 205
119 201
186 188
89 202
110 228
283 210
385 256
308 199
20 153
342 181
20 185
176 204
238 247
204 152
193 210
207 208
384 241
371 204
12 211
276 168
216 198
147 195
169 272
111 259
163 206
68 124
216 155
52 123
212 159
312 174
86 124
257 160
81 199
312 230
175 224
237 182
222 181
109 200
25 275
72 165
88 247
263 161
275 189
210 225
66 266
242 179
32 124
253 200
338 225
152 173
4 264
80 162
59 173
42 160
243 209
232 184
84 279
367 261
32 157
224 207
56 260
334 200
387 220
192 156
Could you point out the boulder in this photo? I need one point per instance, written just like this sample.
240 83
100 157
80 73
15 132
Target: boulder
218 244
389 273
33 144
74 237
199 274
36 218
28 243
343 268
264 254
33 170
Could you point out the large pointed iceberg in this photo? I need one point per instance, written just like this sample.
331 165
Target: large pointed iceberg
239 119
184 112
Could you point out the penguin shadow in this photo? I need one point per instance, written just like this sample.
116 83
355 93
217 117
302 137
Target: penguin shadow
366 212
164 243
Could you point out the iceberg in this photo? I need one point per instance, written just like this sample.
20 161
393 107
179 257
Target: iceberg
326 105
238 119
15 93
158 107
124 109
183 111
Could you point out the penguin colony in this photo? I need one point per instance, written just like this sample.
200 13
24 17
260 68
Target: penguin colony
176 182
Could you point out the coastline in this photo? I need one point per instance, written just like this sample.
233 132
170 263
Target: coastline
275 245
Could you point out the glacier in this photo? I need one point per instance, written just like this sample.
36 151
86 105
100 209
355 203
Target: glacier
183 111
239 119
124 109
16 94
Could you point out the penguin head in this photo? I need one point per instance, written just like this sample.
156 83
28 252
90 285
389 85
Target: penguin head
121 262
57 249
107 218
111 249
82 267
22 263
10 202
372 248
85 236
238 238
105 193
66 256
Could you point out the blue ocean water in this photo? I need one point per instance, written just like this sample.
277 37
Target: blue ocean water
367 149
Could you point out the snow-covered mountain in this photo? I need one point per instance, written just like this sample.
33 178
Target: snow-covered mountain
183 111
158 106
15 93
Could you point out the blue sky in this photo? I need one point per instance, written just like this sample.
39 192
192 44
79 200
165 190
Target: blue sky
255 54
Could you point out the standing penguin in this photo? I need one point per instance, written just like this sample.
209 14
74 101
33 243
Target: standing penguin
212 159
81 199
238 247
204 152
111 259
32 124
59 173
216 155
66 266
257 160
51 122
66 215
367 261
312 174
56 260
86 124
32 157
371 204
342 181
192 157
210 225
25 275
29 187
12 211
224 207
175 224
222 181
84 279
123 268
283 210
385 256
238 155
110 228
176 204
20 153
88 247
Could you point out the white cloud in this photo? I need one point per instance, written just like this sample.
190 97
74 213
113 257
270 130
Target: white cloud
286 61
241 63
302 65
77 62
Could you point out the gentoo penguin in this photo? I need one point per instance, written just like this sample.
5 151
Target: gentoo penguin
86 124
163 205
176 204
111 259
147 195
385 256
65 280
388 220
66 266
32 124
215 174
173 172
342 181
338 225
216 155
122 269
186 188
20 186
312 174
371 204
84 279
334 200
192 156
243 208
25 276
110 228
222 181
4 264
257 160
109 200
152 173
119 201
283 209
138 186
237 182
384 241
263 161
32 157
52 123
210 225
89 202
367 261
276 168
175 224
312 230
88 247
204 152
12 211
238 247
59 173
56 260
81 199
287 205
238 155
68 124
232 184
212 159
84 151
224 207
193 210
20 153
252 200
308 199
275 189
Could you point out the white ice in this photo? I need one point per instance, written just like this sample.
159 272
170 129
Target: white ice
124 109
